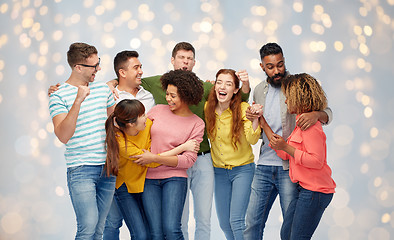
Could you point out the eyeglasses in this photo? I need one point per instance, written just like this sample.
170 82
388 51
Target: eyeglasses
92 66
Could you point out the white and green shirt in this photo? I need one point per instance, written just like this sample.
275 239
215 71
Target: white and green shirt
87 145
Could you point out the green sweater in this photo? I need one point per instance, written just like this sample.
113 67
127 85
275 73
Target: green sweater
153 85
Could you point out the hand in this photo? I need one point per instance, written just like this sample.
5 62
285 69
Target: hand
254 111
250 115
53 88
112 85
210 81
145 158
306 120
277 142
257 109
191 145
83 92
243 76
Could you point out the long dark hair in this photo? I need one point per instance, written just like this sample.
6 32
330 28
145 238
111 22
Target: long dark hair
126 111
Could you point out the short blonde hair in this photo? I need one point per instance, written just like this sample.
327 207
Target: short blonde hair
304 94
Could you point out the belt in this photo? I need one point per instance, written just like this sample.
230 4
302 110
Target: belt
203 153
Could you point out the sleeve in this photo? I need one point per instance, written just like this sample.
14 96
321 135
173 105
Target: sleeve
132 149
110 98
245 96
329 115
252 136
282 154
314 155
152 112
187 159
56 105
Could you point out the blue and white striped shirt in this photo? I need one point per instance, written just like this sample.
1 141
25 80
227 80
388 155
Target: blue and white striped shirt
87 145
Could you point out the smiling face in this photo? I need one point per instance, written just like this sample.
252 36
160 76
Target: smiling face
274 66
183 60
134 128
133 72
89 73
173 98
225 88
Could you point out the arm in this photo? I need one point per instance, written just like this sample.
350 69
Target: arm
309 119
314 153
275 140
252 129
168 158
65 123
244 78
112 85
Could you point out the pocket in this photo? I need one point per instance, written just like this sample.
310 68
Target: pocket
72 170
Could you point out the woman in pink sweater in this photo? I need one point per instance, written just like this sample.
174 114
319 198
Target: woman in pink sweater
173 124
307 153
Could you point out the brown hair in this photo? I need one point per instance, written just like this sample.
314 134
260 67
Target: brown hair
79 52
126 111
190 87
183 46
235 107
121 59
304 93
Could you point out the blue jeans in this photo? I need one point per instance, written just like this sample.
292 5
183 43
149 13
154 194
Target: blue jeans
304 214
268 182
200 182
130 205
113 222
163 201
91 193
232 191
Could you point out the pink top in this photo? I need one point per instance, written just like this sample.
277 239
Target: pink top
309 166
169 131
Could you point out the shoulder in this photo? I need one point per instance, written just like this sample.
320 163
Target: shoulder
65 91
314 130
156 110
244 105
261 85
152 78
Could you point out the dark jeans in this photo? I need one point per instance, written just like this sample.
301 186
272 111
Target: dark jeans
304 214
163 201
130 205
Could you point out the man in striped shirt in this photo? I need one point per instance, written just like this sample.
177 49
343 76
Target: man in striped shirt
79 110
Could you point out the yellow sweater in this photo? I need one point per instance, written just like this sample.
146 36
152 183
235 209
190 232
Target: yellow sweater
129 172
222 151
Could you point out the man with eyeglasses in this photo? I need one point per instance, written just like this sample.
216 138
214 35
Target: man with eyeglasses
79 110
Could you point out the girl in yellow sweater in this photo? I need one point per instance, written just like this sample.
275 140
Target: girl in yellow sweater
128 134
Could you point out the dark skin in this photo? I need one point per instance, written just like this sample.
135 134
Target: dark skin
274 67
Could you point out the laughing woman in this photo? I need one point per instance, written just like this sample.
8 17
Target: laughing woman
231 136
173 124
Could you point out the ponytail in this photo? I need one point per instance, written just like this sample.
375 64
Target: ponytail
111 164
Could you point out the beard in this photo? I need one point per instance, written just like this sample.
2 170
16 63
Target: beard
276 83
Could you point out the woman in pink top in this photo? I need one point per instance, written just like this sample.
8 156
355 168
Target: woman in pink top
173 124
307 153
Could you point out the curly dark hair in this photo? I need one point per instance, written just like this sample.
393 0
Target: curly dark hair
190 87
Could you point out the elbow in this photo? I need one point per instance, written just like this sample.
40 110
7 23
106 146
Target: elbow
62 139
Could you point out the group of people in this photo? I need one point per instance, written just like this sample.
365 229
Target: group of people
136 146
